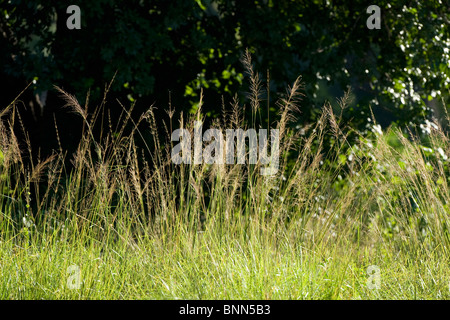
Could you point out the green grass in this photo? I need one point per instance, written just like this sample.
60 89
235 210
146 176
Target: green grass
200 266
346 201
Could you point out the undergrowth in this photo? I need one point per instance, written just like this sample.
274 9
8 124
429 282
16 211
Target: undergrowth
145 228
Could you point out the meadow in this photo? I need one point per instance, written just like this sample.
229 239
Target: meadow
349 215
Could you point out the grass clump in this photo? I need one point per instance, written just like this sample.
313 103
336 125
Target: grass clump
150 229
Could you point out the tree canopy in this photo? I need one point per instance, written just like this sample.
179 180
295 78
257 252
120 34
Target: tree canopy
182 46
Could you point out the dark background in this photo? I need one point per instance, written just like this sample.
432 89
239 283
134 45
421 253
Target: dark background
165 51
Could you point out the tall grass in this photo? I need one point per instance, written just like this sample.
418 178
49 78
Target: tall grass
150 229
